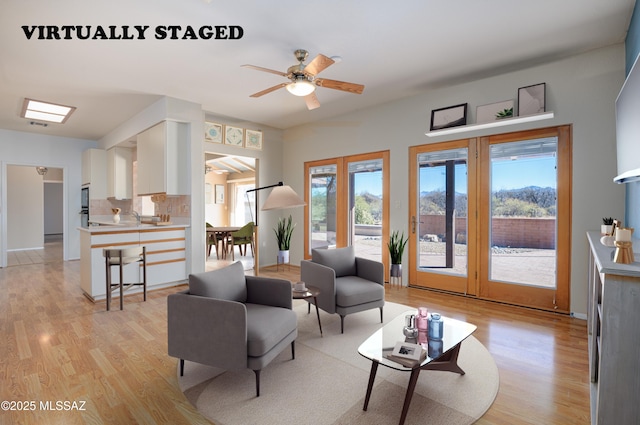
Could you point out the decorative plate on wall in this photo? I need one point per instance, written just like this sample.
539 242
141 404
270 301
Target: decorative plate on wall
254 139
213 132
233 135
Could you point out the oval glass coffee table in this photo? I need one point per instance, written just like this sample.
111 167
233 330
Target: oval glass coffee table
310 292
441 354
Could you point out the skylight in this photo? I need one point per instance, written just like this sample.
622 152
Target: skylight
44 111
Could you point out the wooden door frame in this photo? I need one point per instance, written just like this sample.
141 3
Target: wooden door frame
464 285
340 197
342 201
549 299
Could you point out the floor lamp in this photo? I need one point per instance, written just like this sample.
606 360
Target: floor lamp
281 197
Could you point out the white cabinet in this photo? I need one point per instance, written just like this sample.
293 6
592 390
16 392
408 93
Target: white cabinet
614 337
92 261
120 173
94 172
162 154
166 254
166 257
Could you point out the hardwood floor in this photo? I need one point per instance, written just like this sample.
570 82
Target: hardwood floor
58 346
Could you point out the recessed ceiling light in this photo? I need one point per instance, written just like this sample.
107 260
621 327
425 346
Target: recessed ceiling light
44 111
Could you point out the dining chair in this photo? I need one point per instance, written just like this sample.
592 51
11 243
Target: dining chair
242 237
212 240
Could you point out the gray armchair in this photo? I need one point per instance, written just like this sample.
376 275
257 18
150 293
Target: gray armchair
348 284
231 321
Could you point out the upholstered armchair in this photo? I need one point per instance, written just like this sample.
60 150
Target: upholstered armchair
348 284
231 321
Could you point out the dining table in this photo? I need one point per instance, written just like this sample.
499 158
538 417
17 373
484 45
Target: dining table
222 234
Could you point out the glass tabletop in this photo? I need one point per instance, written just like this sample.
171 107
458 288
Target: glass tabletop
384 340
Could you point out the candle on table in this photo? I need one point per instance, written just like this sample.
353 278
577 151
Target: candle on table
623 235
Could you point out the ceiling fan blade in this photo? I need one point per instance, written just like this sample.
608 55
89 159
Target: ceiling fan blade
259 68
312 101
318 64
269 90
340 85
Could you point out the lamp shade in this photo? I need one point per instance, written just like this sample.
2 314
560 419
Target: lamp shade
301 88
282 197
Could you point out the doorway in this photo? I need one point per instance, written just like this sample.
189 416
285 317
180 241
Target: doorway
35 215
348 204
227 180
491 217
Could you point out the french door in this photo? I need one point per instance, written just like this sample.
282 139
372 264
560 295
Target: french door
442 192
347 204
491 217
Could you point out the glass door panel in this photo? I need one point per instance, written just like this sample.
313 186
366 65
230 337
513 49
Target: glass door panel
365 204
523 207
442 211
322 208
442 249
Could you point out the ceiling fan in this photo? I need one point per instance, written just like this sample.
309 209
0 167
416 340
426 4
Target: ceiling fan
303 78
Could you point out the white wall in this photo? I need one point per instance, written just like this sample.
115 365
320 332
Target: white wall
20 148
25 208
53 208
581 90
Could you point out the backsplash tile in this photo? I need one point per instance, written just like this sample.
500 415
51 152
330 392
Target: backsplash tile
176 206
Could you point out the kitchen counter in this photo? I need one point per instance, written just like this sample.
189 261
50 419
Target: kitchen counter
106 227
166 247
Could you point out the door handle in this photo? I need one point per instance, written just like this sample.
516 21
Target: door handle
413 223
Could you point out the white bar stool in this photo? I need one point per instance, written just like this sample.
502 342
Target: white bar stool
120 258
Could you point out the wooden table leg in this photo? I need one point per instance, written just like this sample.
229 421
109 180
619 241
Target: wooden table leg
372 377
409 395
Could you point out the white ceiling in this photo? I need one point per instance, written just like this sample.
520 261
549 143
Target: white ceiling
396 49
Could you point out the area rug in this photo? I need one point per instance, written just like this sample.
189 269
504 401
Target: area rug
327 381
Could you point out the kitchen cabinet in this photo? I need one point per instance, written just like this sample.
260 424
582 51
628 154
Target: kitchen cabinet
94 172
166 256
614 336
162 159
120 173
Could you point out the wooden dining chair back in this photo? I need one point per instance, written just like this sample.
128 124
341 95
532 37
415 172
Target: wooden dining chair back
212 240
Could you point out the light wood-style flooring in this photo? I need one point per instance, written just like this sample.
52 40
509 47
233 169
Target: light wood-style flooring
58 346
51 252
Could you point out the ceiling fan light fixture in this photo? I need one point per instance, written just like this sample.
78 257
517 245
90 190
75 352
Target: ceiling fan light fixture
301 88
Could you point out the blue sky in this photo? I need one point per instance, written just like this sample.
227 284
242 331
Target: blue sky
506 175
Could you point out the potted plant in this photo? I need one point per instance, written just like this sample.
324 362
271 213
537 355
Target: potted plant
283 232
607 226
397 243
